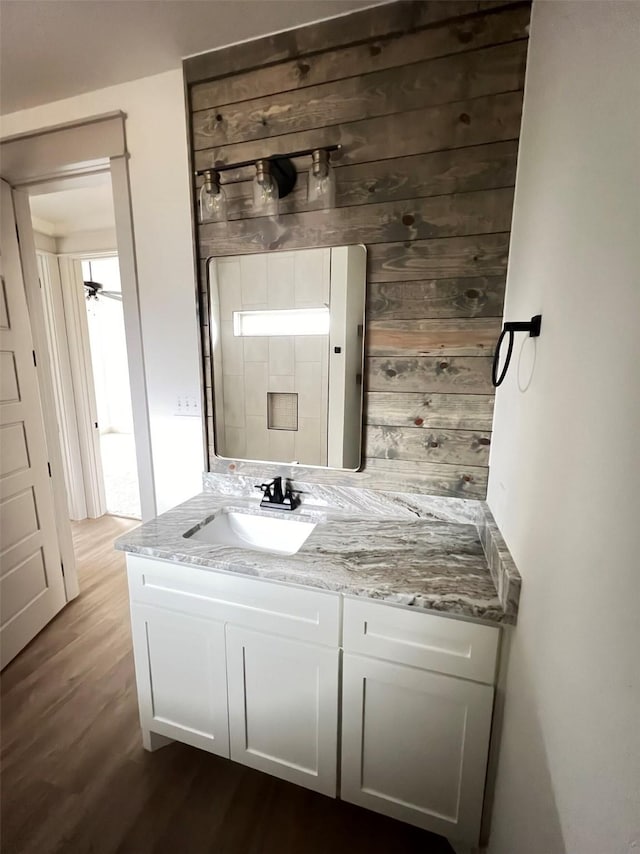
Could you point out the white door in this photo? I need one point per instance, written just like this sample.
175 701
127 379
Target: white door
181 677
31 580
283 707
414 745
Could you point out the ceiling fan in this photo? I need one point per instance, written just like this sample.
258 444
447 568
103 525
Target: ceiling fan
93 290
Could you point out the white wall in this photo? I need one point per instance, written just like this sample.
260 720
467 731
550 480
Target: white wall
81 242
157 141
44 242
565 466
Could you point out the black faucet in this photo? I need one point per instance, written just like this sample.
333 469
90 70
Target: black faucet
274 498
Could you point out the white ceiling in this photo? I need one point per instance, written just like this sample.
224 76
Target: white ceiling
70 211
53 49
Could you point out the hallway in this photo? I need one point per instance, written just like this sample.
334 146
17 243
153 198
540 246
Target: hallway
77 781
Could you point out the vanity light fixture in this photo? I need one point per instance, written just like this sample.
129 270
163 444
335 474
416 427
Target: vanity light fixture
213 199
275 178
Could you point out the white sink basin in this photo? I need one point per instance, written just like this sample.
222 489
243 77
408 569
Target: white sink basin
258 533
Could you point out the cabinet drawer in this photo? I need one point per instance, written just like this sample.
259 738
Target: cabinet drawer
270 607
421 639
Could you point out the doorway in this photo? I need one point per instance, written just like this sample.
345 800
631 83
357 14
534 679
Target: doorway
79 271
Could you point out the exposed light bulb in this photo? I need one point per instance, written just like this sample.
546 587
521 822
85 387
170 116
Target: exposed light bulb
265 190
321 187
213 199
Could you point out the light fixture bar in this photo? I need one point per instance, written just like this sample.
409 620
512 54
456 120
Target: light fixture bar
221 167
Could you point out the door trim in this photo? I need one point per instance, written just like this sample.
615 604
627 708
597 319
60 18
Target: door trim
133 333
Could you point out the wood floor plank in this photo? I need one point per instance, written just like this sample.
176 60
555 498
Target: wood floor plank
75 779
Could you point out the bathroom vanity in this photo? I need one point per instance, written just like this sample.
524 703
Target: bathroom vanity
361 664
349 644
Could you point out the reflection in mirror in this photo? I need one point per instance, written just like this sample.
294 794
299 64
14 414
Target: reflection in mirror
287 344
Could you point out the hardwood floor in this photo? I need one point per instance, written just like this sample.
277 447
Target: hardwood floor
75 778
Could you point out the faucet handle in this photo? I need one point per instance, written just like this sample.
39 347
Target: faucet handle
265 488
293 498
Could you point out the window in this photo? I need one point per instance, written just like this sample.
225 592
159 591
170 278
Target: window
296 321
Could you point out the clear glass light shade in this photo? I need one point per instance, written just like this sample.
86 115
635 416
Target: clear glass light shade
213 203
265 191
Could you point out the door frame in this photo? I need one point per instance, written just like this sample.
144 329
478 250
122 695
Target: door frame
52 154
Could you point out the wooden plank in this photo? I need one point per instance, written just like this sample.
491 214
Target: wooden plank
479 258
482 212
387 475
451 337
450 257
384 93
455 36
383 20
430 411
476 121
400 265
482 296
462 170
454 447
447 375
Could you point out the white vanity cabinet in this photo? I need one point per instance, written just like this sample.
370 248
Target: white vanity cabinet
240 667
251 670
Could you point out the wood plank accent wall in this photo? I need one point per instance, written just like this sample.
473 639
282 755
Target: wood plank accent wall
425 99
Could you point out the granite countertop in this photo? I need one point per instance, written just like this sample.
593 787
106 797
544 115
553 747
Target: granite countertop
431 559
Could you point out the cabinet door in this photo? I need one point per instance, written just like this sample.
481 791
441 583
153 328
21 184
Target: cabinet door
414 745
283 707
181 676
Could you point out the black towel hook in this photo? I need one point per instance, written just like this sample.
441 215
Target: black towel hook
531 326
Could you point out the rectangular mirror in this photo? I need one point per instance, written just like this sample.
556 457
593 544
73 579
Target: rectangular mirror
287 345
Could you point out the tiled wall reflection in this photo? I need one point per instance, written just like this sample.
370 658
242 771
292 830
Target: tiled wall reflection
254 366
